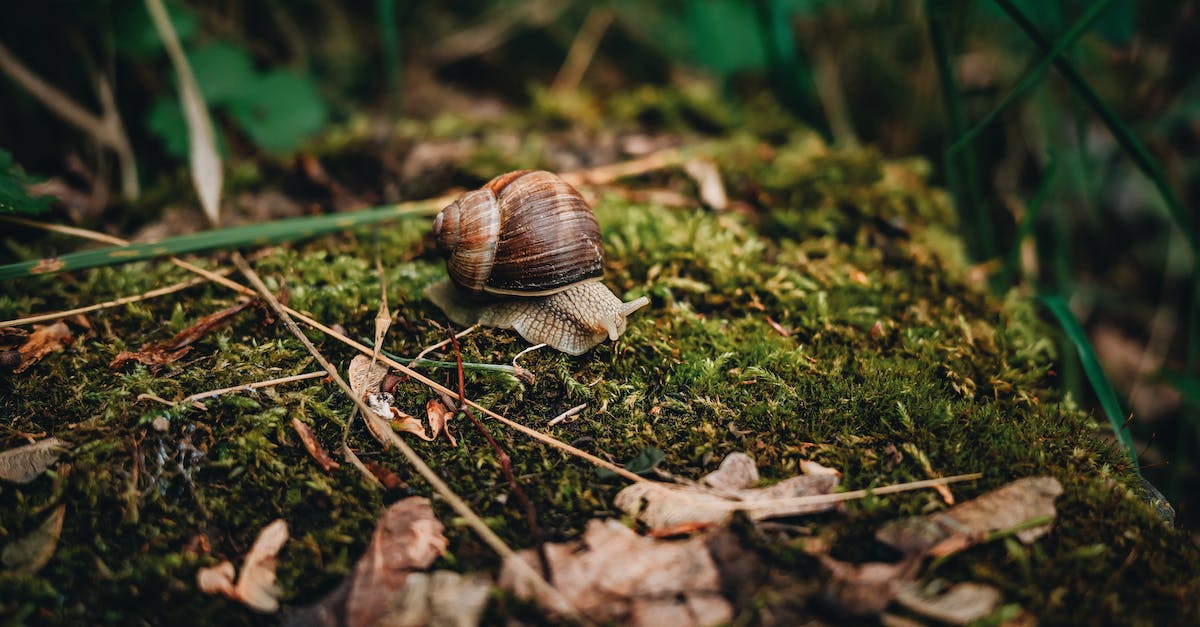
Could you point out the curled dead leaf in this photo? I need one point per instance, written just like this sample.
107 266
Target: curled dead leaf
663 506
27 555
45 339
314 447
615 575
256 588
26 463
385 587
866 589
439 419
217 579
159 354
960 604
1011 506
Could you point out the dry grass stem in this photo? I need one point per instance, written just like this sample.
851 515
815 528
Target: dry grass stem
162 291
583 49
566 414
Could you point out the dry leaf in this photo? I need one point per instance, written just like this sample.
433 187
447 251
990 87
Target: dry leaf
666 506
314 447
159 354
866 589
365 375
45 339
256 587
26 463
969 523
27 555
407 538
439 419
708 181
217 579
961 604
386 476
615 575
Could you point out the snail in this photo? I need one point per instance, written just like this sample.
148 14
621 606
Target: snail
524 253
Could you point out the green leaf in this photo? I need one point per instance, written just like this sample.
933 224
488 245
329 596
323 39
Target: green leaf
725 36
280 112
14 195
645 461
225 73
135 36
165 120
289 230
1095 374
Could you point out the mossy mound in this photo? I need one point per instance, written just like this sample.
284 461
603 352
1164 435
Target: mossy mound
893 364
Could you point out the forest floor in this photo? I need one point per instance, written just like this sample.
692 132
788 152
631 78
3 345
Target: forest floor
824 313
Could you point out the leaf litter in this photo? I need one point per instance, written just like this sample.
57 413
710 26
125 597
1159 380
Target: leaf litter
44 340
256 588
159 354
27 555
387 585
713 501
26 463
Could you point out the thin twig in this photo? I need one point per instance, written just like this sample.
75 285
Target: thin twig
248 387
535 530
583 49
162 291
105 130
456 503
566 414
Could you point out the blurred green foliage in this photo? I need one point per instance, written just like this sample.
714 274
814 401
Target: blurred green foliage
14 184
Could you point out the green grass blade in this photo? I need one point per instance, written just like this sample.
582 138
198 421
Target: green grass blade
1033 76
1129 142
1095 374
965 185
1033 209
289 230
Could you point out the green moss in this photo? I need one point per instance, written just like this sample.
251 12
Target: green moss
894 365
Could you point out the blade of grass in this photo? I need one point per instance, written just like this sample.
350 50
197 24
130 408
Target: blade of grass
1125 137
288 230
207 175
1034 75
1095 374
963 185
1033 209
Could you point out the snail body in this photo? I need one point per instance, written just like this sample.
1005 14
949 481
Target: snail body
524 253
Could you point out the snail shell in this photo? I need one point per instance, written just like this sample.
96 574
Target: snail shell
524 253
525 233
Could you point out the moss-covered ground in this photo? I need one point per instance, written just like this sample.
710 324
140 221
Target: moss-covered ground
897 365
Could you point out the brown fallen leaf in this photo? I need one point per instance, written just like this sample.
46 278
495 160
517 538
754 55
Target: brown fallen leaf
27 555
407 539
159 354
708 182
1018 503
45 339
439 419
667 506
866 589
256 587
386 476
615 575
960 604
314 447
26 463
366 380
